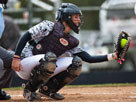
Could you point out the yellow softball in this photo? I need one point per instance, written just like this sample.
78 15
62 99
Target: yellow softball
123 42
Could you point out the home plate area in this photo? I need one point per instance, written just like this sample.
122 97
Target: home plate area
85 94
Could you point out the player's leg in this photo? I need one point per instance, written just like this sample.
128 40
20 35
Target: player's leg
3 95
40 74
58 81
28 64
6 73
6 56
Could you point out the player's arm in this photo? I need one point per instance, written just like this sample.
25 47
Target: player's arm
89 58
94 59
35 33
22 42
16 64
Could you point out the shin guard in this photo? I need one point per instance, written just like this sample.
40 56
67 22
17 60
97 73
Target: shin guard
41 72
58 81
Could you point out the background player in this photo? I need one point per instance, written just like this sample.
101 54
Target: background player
6 72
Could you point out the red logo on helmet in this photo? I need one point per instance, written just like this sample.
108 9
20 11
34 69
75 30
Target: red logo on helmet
63 41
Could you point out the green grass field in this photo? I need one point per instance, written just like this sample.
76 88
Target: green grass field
92 85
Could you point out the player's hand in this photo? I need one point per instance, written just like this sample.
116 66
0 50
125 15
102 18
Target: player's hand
112 56
16 63
115 56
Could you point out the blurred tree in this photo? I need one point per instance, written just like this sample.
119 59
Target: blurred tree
90 18
85 2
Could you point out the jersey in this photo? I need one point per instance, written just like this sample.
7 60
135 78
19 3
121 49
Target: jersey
49 36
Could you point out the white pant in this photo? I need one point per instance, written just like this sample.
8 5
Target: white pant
30 62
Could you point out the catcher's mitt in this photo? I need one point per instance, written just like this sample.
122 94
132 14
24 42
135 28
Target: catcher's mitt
122 45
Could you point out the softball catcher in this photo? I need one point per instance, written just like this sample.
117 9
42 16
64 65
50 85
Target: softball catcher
49 57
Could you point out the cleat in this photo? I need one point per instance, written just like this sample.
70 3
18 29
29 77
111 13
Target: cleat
4 96
55 96
31 96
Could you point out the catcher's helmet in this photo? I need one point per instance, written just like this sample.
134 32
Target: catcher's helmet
4 2
65 14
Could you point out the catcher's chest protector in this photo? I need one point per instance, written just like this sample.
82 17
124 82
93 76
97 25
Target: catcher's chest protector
56 42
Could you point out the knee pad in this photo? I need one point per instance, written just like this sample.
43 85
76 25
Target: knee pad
49 56
48 64
42 72
76 67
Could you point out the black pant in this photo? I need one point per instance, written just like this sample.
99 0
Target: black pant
6 73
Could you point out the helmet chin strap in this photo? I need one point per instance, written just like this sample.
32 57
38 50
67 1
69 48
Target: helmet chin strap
73 26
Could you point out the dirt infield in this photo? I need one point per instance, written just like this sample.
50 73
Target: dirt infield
86 94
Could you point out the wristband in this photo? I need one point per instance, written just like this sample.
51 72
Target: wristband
110 57
16 57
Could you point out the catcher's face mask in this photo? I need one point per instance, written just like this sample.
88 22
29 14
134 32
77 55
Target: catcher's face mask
2 25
